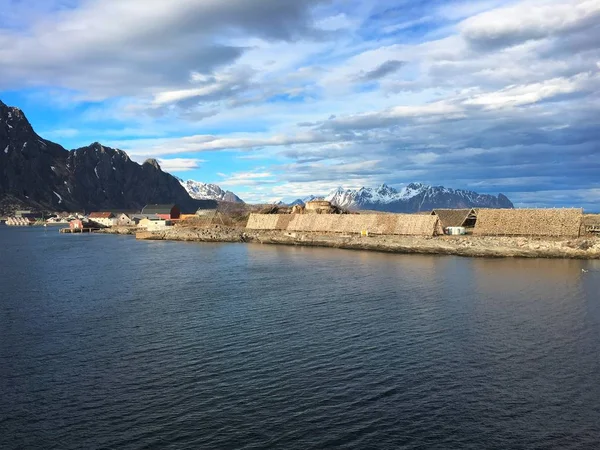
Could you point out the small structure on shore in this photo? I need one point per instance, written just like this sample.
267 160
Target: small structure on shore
318 207
529 222
76 224
165 212
456 217
206 207
590 225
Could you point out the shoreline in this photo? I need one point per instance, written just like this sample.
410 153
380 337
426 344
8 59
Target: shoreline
466 246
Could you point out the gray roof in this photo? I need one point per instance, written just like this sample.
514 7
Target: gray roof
158 209
145 216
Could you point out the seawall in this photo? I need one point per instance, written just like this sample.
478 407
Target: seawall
471 246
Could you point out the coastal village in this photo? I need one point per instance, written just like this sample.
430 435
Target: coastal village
559 232
322 217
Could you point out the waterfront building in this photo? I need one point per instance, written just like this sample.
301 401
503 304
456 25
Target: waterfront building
106 219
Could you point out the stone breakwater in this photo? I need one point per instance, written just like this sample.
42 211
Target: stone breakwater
473 246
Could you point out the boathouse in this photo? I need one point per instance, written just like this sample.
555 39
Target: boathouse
165 212
590 225
76 224
206 207
529 222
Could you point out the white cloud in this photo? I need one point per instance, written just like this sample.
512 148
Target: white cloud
180 164
524 95
529 20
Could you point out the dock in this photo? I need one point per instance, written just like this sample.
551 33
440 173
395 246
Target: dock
76 230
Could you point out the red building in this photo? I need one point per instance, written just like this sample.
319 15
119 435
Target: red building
76 224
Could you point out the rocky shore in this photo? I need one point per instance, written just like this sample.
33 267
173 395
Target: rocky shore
498 247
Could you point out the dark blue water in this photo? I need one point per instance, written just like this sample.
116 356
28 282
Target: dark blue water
106 342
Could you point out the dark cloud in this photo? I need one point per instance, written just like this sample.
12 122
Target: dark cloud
107 48
385 69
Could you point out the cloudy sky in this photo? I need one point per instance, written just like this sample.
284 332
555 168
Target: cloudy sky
280 99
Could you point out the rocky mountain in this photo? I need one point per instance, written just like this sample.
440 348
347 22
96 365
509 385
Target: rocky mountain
206 191
37 173
414 197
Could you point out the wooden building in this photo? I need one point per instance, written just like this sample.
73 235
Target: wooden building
106 218
590 225
76 224
529 222
456 217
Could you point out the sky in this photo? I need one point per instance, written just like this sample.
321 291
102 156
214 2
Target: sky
277 99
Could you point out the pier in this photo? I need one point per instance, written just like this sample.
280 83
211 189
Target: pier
76 230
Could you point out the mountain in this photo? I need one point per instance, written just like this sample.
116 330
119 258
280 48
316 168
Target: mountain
37 173
205 191
414 197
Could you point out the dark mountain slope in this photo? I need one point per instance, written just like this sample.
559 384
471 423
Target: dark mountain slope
40 174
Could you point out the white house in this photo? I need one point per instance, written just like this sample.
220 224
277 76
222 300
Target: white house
106 219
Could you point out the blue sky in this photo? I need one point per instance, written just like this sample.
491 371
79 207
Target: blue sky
278 100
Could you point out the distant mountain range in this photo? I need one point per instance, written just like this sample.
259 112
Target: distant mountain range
37 173
414 197
206 191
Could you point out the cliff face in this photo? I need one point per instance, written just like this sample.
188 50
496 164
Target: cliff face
40 174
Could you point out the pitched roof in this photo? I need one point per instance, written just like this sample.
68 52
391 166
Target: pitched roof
529 222
452 217
158 209
101 215
206 204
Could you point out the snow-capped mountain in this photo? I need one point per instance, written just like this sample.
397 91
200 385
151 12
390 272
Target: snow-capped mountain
206 191
414 197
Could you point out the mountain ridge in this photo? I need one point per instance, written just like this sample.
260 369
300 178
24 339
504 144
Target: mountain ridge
207 191
414 197
37 173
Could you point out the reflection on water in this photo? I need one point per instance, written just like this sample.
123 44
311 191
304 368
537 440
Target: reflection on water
108 342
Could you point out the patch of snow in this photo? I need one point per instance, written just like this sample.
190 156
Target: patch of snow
205 191
53 168
6 149
59 197
9 125
96 172
42 142
10 114
24 145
